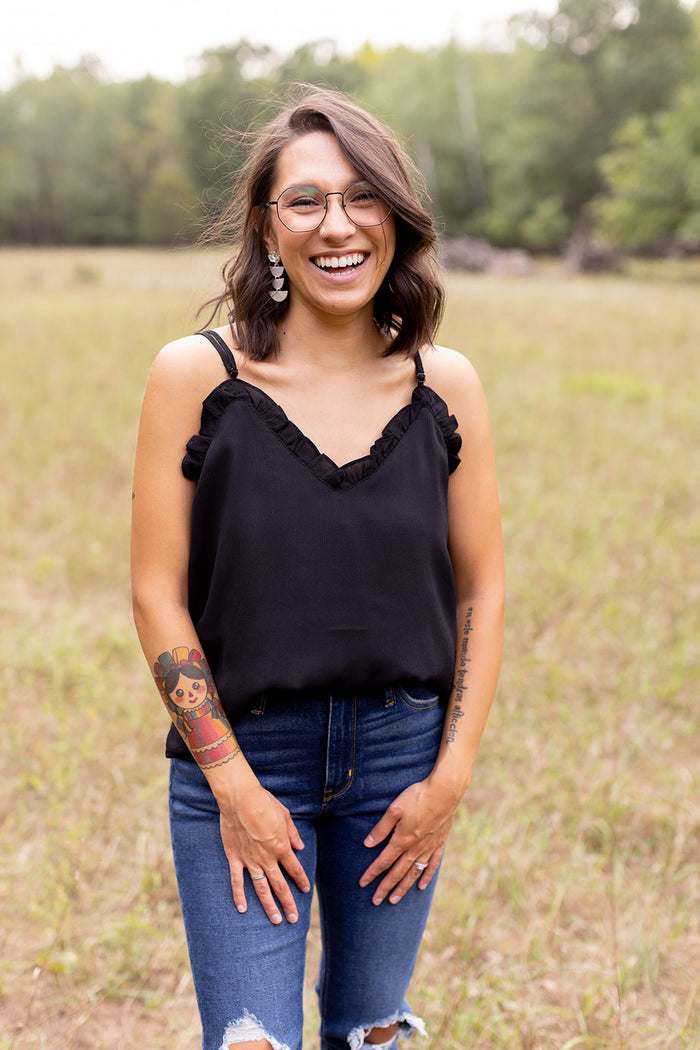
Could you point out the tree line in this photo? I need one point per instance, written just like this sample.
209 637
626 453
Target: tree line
589 120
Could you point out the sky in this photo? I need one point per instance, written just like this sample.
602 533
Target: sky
133 38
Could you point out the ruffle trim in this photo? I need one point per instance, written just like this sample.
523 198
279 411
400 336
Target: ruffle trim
303 448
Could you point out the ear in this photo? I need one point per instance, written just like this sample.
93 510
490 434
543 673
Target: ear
269 240
262 226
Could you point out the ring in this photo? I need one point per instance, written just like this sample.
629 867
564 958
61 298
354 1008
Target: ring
419 865
256 877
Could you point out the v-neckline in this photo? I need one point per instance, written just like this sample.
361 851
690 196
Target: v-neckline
338 476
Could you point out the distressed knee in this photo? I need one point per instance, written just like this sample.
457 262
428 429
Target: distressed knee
248 1034
382 1038
384 1035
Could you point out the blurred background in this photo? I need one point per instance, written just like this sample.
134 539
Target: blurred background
539 129
561 149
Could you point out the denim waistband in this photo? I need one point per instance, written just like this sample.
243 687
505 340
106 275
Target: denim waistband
381 693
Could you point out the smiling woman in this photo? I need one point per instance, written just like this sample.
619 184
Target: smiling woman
362 156
312 234
331 541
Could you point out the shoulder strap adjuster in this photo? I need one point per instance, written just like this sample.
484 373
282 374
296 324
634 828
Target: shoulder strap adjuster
223 350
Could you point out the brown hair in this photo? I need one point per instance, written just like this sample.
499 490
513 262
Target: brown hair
409 302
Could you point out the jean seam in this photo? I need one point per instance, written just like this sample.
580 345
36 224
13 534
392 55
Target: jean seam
409 701
327 798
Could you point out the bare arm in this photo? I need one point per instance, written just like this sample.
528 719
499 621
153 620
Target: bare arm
419 820
257 830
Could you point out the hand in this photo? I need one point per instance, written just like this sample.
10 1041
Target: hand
259 834
419 821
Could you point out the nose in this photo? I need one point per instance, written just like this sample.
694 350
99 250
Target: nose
336 222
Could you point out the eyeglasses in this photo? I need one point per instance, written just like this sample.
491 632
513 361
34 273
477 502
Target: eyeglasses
303 208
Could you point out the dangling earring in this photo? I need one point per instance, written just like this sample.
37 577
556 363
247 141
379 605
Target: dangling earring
277 271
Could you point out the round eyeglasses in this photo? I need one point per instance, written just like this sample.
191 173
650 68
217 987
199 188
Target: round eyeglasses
303 208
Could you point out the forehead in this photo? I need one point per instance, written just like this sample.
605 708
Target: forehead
315 158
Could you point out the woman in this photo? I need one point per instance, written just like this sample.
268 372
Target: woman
338 576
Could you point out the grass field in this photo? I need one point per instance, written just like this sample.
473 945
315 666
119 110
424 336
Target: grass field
568 911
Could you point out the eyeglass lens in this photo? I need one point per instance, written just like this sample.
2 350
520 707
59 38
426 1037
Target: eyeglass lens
302 208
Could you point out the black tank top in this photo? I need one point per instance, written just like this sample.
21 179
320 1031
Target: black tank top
307 576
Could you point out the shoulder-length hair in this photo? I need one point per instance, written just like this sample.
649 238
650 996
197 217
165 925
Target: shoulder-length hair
409 303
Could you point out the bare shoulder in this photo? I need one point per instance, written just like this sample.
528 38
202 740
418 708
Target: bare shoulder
190 364
454 378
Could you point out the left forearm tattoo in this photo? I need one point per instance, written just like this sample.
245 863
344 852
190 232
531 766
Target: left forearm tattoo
461 686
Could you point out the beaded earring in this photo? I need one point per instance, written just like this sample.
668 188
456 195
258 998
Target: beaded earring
277 271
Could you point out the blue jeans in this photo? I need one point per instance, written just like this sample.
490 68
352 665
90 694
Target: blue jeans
336 763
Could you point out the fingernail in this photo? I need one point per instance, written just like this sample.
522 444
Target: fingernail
376 900
292 917
363 883
241 907
394 900
277 917
369 841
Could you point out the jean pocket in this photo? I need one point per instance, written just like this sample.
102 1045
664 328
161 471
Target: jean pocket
413 694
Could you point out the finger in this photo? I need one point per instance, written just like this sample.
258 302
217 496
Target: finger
295 838
264 893
383 827
396 881
280 888
294 868
403 875
412 876
238 887
389 855
433 865
395 849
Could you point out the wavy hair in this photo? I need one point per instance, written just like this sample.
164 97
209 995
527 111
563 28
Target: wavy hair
408 305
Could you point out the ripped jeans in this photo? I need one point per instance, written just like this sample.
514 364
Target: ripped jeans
336 763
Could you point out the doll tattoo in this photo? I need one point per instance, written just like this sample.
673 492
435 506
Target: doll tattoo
187 687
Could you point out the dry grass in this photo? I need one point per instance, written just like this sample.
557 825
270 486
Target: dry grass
568 911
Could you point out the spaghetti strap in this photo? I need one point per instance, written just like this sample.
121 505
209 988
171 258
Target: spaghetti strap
420 374
224 353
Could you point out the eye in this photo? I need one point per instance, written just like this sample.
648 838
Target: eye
362 193
301 198
179 693
197 685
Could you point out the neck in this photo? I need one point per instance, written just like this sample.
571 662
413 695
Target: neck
335 343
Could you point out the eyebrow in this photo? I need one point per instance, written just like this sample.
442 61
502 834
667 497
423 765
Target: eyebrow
308 184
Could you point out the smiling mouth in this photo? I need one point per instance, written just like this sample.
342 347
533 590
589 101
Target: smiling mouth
340 262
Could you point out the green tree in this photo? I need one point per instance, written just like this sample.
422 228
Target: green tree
78 153
168 207
653 178
576 77
217 106
445 103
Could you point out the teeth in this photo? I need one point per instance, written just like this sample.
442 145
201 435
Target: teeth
335 262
